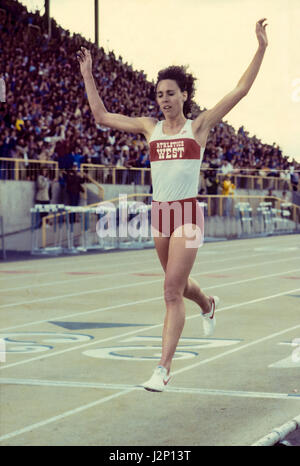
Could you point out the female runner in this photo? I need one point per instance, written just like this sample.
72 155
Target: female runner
176 149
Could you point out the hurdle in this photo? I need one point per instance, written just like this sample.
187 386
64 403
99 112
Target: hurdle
37 221
134 225
77 229
243 212
265 217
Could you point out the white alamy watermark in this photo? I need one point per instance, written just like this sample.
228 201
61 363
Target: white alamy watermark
2 90
2 350
135 219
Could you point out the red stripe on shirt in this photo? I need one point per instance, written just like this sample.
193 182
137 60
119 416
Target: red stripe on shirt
174 149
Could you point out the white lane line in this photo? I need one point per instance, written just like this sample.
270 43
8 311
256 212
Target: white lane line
133 332
115 274
59 417
80 267
89 260
132 284
130 389
120 263
116 386
122 260
93 311
98 310
218 246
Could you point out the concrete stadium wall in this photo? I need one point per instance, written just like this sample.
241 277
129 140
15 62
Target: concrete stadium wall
17 198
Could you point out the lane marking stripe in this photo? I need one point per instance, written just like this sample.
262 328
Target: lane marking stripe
283 241
145 329
98 290
114 274
114 386
98 310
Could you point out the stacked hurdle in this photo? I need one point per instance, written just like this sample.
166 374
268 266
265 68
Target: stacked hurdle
72 230
285 215
56 211
243 212
265 217
274 220
134 226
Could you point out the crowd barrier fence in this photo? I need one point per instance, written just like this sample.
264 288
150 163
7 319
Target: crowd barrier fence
21 169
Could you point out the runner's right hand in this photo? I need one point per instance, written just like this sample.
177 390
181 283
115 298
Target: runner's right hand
85 61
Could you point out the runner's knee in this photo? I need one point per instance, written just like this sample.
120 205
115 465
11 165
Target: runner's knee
173 290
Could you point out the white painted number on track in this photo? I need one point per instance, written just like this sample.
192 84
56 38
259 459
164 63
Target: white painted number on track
150 348
37 342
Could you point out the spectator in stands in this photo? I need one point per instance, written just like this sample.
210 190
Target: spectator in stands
62 183
19 122
284 175
131 162
78 157
61 150
43 192
228 191
74 186
22 149
106 160
7 145
93 155
142 161
226 167
122 173
43 188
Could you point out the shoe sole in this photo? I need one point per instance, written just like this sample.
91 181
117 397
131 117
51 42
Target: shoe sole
153 389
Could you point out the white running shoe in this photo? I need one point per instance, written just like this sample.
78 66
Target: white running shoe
209 319
158 381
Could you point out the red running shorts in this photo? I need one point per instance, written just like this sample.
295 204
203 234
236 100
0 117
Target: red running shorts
167 217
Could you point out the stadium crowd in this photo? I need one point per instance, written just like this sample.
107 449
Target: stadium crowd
46 114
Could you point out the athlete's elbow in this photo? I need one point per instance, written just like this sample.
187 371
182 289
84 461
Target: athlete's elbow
243 91
99 116
97 119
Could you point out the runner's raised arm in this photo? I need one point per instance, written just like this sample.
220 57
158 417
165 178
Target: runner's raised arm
143 125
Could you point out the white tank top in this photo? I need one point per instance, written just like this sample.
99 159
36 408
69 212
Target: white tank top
175 163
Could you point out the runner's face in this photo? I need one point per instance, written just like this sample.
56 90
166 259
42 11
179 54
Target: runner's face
169 97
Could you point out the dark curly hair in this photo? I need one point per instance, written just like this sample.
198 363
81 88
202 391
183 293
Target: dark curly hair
184 80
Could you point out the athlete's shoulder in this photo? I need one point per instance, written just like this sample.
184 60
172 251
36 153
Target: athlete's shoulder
200 133
150 124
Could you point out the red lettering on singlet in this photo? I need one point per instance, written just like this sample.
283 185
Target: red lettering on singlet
176 149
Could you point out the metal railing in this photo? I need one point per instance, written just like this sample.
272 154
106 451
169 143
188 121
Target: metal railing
26 170
21 169
117 175
257 182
